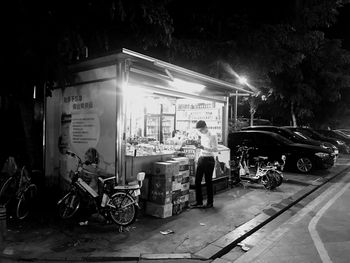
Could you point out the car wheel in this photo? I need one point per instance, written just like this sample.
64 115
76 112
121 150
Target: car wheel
304 165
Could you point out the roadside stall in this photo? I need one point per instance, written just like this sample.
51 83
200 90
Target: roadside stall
132 113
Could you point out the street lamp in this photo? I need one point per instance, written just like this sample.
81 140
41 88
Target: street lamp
242 80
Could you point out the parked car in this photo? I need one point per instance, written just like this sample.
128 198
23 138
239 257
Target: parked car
344 131
300 157
246 122
294 137
343 148
336 135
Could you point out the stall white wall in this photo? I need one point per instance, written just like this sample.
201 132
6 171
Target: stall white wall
81 118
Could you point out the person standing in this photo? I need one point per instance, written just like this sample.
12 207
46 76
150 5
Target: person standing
206 163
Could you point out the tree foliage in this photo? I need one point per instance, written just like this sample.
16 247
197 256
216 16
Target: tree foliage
281 46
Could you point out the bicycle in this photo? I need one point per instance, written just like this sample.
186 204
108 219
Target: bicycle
18 187
112 201
269 174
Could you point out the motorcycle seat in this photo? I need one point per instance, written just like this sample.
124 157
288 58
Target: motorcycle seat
261 158
103 180
127 187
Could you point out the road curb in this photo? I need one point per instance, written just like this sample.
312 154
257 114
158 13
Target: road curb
70 259
224 244
145 256
170 256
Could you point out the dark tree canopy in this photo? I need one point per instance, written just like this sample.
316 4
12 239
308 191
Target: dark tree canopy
294 48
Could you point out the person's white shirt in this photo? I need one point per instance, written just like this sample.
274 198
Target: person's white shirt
210 143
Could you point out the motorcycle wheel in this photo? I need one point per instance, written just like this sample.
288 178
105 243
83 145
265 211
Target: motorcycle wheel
279 178
68 205
123 209
269 181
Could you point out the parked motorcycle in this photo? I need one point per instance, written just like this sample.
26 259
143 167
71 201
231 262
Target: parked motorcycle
116 202
269 174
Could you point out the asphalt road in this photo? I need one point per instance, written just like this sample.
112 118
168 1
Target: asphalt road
317 230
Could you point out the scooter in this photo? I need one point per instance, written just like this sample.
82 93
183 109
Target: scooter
268 174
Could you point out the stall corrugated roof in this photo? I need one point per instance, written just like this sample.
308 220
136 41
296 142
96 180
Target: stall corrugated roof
150 71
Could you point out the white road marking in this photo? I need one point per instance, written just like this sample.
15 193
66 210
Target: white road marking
277 234
312 226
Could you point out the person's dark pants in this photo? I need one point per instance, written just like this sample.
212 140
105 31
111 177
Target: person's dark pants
205 166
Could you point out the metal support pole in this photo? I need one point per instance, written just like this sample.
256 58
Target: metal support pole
236 109
120 145
44 130
225 121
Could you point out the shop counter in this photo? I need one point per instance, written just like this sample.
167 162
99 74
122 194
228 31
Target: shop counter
223 154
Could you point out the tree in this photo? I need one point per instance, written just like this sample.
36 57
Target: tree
322 73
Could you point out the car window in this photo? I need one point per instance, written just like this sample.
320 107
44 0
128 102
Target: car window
325 132
263 140
239 139
308 133
342 135
266 140
302 136
315 133
286 134
341 132
281 139
346 132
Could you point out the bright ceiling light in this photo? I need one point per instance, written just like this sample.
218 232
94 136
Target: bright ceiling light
186 86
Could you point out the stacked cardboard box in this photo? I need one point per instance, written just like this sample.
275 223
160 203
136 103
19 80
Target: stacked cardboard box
192 171
176 187
169 188
183 181
192 196
162 211
176 202
160 190
183 162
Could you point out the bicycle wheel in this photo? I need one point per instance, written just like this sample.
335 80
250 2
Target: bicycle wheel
26 201
8 190
122 209
69 205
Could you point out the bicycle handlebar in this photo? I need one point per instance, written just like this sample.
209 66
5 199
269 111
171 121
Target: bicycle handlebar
74 155
242 147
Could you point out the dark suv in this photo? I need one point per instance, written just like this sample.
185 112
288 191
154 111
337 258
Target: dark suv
294 137
300 157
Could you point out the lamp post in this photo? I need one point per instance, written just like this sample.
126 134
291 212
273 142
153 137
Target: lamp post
243 81
236 109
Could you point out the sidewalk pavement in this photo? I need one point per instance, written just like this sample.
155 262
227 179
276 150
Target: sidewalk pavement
317 233
198 233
